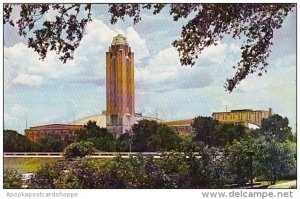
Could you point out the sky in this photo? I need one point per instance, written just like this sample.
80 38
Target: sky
49 91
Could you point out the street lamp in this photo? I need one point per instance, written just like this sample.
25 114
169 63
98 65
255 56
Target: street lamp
250 154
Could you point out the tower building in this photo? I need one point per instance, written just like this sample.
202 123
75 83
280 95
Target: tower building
120 111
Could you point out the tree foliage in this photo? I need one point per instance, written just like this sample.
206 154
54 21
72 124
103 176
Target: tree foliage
174 170
213 133
15 142
237 162
276 127
61 35
100 137
50 143
205 129
79 149
47 175
123 143
12 179
273 160
208 23
152 136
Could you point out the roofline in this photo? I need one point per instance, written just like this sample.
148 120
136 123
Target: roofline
85 118
54 124
180 120
242 110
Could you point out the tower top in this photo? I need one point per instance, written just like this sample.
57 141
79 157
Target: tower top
119 40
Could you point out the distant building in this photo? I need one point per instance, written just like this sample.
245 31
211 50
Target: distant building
101 119
66 132
247 117
181 126
120 106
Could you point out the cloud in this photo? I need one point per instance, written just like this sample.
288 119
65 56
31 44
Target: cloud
15 116
22 67
165 73
27 80
138 45
95 44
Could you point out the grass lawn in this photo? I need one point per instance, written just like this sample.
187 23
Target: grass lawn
30 165
287 184
26 165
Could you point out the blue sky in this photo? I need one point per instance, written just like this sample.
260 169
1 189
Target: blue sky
51 92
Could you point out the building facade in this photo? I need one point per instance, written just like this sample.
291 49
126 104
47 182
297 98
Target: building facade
181 126
66 132
243 116
120 102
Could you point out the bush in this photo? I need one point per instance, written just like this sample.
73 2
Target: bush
79 149
174 170
47 175
12 179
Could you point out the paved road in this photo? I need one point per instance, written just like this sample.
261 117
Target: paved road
155 155
60 155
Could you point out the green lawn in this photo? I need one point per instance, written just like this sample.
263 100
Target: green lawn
29 165
26 165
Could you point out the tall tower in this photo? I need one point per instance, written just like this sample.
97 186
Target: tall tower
120 112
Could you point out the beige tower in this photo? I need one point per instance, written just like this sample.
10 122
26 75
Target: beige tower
120 113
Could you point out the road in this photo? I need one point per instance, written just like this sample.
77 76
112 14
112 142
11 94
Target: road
155 155
95 155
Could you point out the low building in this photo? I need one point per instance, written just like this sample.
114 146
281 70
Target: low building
246 117
64 131
181 126
68 131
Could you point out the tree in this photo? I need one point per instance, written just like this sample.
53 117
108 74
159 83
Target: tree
152 136
237 161
227 133
12 179
276 127
273 160
100 137
79 149
208 24
50 143
190 170
61 35
15 142
123 143
216 134
186 142
205 129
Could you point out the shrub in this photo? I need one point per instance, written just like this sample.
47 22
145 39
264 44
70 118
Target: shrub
79 149
12 179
